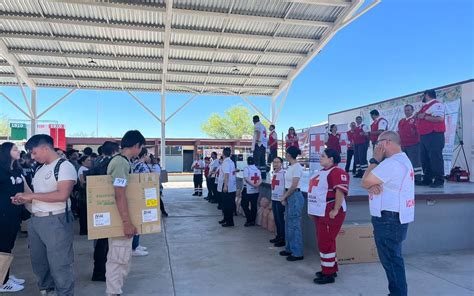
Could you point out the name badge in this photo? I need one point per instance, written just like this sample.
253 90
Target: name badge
119 182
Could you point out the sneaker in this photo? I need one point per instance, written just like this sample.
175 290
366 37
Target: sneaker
139 253
142 248
10 286
16 280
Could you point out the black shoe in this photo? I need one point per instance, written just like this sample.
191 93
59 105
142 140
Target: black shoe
325 279
98 278
200 194
420 183
227 225
280 244
285 253
219 207
436 185
274 240
248 224
206 198
320 274
293 258
359 175
165 214
195 194
213 201
222 222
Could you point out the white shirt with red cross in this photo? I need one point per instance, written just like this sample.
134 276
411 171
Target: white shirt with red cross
252 175
278 184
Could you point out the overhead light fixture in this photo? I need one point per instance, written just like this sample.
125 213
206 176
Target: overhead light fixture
91 61
235 69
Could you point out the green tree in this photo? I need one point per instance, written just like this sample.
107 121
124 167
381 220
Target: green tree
4 126
236 123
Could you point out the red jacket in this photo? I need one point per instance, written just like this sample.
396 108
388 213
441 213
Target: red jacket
408 132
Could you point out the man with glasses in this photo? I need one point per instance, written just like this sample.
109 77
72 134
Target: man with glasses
389 180
431 127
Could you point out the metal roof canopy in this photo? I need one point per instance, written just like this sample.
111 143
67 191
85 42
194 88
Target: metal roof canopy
221 47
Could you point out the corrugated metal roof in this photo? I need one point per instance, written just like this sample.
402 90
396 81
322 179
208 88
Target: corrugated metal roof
215 46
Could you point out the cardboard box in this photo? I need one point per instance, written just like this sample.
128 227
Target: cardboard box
5 262
143 194
355 244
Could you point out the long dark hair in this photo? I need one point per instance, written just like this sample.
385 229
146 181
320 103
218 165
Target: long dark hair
6 158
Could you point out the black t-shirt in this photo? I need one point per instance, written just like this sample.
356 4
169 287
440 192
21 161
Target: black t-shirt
11 183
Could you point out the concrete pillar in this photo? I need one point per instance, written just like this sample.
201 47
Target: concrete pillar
163 129
34 121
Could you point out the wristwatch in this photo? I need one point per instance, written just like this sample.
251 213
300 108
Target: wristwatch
373 161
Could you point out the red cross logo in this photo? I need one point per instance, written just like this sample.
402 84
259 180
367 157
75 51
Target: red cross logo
316 142
275 182
255 178
412 175
313 183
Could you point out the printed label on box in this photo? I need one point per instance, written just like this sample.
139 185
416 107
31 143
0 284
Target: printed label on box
101 219
150 215
151 197
119 182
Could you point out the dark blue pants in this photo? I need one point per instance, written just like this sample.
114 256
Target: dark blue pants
279 216
389 235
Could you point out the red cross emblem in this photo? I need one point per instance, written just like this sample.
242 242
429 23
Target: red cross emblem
255 178
275 182
316 142
313 183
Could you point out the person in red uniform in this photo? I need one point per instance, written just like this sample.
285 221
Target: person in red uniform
410 140
327 206
378 126
272 143
361 144
291 139
431 127
333 139
350 149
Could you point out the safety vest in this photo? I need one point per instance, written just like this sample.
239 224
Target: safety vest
375 127
334 142
359 138
427 127
408 132
272 140
319 193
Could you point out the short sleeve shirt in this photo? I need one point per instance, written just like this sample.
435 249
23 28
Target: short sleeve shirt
383 124
263 134
119 168
251 172
228 167
44 181
293 171
436 110
338 179
392 173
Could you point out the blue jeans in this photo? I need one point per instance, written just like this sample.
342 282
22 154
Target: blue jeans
389 235
135 242
279 216
294 234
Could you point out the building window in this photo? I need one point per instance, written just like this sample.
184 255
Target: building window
173 151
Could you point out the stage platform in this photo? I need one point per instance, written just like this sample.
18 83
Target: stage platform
443 216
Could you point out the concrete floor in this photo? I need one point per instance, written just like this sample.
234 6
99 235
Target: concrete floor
195 256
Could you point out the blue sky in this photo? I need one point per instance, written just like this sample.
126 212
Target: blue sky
399 47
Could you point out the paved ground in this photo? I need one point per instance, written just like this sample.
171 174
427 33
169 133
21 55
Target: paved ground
195 256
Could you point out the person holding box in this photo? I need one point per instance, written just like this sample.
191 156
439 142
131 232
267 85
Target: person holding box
120 248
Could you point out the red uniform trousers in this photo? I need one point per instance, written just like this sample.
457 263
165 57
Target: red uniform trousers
326 232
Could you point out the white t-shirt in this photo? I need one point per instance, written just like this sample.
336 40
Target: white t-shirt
253 175
398 195
436 110
45 182
213 165
364 127
382 124
198 166
263 134
293 171
227 167
82 169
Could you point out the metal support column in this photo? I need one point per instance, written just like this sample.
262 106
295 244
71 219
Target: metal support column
273 110
163 129
33 112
